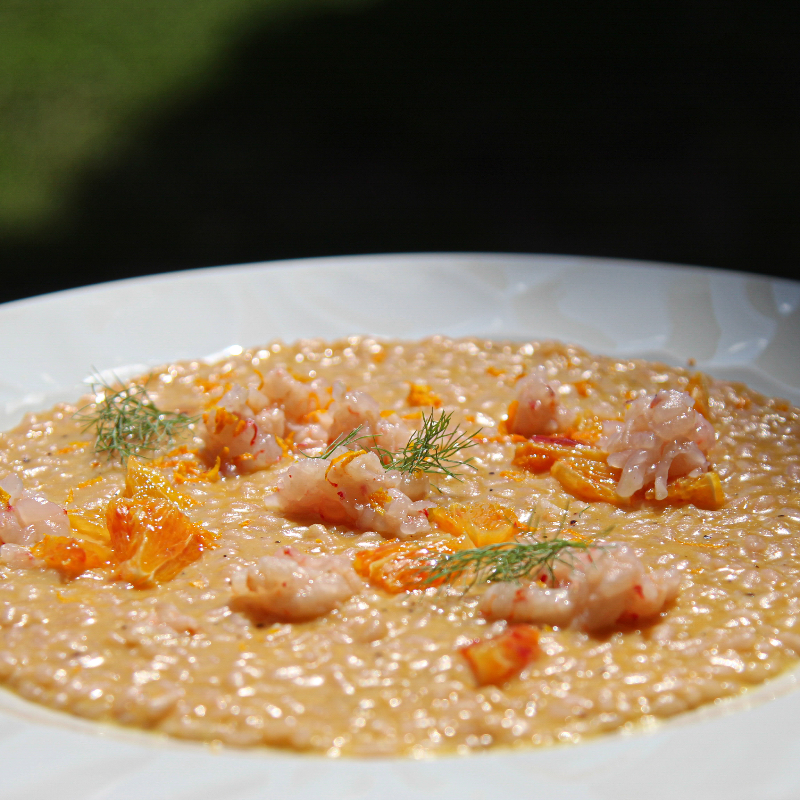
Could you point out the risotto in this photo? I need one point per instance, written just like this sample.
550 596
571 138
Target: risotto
369 547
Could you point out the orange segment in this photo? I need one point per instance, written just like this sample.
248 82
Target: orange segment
502 657
703 492
70 556
153 539
89 524
541 452
190 472
484 523
401 566
589 480
142 480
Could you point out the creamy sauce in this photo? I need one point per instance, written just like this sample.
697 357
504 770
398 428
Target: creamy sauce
382 673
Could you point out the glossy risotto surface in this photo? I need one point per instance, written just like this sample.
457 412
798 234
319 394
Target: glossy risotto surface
384 673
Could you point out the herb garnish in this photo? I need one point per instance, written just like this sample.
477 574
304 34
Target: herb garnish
504 562
432 449
127 422
342 440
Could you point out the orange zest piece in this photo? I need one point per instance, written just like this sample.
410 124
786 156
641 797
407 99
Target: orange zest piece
313 415
378 500
300 378
704 491
218 418
586 429
188 472
207 385
72 447
496 660
484 523
403 566
421 395
286 443
512 476
540 452
343 460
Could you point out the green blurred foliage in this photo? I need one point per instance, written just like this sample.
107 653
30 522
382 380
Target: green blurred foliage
79 77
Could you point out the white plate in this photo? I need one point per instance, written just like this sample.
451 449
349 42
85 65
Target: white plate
733 325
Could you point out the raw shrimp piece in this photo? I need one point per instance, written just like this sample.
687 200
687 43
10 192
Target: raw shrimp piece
293 587
598 589
247 444
167 614
537 409
532 603
310 437
296 398
247 428
10 529
661 437
352 488
12 486
18 556
354 409
27 517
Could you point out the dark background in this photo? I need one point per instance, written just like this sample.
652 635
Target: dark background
637 130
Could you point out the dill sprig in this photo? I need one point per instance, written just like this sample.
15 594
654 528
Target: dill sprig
127 422
432 449
504 562
343 440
